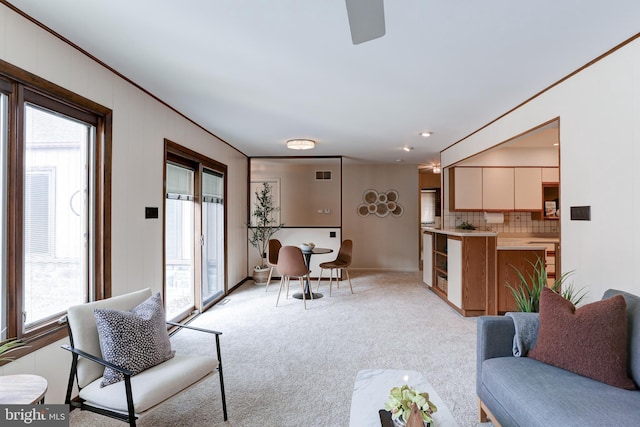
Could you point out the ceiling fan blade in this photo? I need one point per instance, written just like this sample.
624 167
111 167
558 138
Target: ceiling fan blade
366 19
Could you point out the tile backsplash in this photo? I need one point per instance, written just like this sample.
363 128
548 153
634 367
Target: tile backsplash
514 222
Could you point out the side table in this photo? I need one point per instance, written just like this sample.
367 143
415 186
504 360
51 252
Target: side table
22 389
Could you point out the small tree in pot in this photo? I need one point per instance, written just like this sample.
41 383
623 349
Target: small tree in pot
265 225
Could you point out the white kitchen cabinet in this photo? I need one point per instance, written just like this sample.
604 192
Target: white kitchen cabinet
454 270
427 258
528 189
550 175
497 189
465 188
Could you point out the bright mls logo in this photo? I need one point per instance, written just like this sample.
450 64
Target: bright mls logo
34 415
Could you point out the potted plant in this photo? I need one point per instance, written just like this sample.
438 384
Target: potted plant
262 229
401 401
7 346
527 293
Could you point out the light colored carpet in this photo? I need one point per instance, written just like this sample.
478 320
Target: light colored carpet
287 367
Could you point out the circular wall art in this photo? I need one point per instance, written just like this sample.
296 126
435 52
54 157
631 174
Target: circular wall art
370 196
381 204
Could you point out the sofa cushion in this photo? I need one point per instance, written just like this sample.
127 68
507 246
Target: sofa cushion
526 392
590 341
135 340
633 331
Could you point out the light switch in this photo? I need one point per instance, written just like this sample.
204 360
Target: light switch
580 213
150 212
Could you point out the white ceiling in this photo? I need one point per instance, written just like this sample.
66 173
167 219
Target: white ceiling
257 73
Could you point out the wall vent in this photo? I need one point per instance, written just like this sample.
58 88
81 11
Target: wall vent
323 175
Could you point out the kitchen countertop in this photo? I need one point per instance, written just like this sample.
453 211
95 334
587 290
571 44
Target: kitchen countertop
511 243
531 247
525 243
460 232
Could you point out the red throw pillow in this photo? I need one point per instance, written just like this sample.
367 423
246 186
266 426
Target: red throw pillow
590 341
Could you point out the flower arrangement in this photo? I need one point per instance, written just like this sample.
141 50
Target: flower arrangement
401 399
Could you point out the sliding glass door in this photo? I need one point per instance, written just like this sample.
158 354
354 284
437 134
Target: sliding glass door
195 221
212 236
179 295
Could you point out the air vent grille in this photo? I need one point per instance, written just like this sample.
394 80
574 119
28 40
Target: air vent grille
323 175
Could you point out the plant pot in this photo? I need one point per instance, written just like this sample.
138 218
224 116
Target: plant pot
260 275
399 422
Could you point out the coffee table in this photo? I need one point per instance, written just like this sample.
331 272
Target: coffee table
371 391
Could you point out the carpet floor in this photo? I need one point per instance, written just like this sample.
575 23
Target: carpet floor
287 367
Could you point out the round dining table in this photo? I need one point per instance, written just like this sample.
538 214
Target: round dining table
307 260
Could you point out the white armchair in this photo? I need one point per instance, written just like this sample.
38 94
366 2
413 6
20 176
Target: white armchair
139 393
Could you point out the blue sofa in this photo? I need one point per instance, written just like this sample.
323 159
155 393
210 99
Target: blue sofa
520 391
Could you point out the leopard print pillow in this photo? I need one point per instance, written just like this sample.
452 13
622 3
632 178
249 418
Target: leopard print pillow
135 340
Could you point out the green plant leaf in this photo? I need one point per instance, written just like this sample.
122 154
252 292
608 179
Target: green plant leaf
526 294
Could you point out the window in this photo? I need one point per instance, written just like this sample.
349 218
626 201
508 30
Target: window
55 239
54 205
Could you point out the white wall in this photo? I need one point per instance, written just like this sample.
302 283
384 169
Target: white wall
140 125
599 111
388 243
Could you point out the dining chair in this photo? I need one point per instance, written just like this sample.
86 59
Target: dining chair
291 264
272 259
342 262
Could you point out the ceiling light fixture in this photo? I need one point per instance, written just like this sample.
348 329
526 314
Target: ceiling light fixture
426 134
407 148
301 144
436 169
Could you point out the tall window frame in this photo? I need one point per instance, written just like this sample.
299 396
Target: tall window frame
200 164
22 88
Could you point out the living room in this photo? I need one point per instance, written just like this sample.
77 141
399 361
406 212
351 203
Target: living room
597 108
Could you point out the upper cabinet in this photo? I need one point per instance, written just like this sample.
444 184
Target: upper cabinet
465 189
551 175
499 188
528 185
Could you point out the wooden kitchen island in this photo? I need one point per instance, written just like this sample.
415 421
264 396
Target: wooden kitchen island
460 267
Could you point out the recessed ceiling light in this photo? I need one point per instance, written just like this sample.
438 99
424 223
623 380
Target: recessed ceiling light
407 148
426 134
301 144
555 144
399 160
